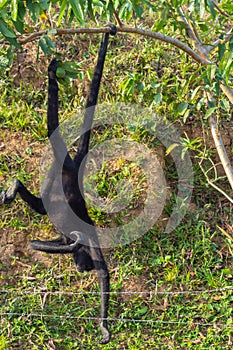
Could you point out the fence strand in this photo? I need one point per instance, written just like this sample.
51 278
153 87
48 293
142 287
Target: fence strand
112 319
126 320
41 292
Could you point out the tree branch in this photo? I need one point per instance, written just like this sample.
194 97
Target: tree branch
147 33
221 150
167 39
204 51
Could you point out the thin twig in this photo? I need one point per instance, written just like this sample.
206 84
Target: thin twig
118 19
227 37
189 30
213 185
225 233
220 10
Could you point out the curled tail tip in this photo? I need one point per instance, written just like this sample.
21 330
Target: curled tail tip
113 28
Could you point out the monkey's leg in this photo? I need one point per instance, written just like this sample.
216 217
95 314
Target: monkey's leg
17 187
59 147
55 246
103 275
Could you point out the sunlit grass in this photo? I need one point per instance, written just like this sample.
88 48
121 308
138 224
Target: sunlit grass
194 257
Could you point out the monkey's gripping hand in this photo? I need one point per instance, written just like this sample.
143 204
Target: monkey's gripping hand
53 68
8 196
113 28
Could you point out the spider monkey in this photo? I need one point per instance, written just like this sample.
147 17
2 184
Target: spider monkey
84 243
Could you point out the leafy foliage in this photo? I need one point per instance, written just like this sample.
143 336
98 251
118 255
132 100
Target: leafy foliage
19 17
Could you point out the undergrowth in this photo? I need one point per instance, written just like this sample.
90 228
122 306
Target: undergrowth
195 257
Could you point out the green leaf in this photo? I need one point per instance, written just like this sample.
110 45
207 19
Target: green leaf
210 4
221 51
171 148
19 26
62 11
225 105
90 10
138 10
14 42
182 108
61 73
157 98
45 44
77 10
14 9
142 311
210 111
64 81
45 4
186 115
3 4
195 92
70 67
49 42
231 44
21 11
6 30
34 8
150 5
211 70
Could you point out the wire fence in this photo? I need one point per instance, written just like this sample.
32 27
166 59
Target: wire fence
125 320
207 291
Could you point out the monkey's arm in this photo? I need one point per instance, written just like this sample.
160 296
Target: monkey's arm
92 98
17 187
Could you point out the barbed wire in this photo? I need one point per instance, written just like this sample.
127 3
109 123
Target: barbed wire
125 320
112 319
207 291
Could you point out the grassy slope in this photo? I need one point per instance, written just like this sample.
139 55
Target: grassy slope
193 257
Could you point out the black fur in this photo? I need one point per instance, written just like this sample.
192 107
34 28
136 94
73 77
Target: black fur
87 256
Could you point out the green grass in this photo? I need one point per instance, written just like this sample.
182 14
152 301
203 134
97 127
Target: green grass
194 257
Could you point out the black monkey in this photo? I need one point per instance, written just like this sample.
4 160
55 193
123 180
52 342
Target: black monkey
62 195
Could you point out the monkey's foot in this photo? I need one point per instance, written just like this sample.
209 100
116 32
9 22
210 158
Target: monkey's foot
8 196
106 335
56 246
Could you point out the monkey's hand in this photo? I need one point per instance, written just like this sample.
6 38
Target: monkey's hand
113 28
53 68
8 196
